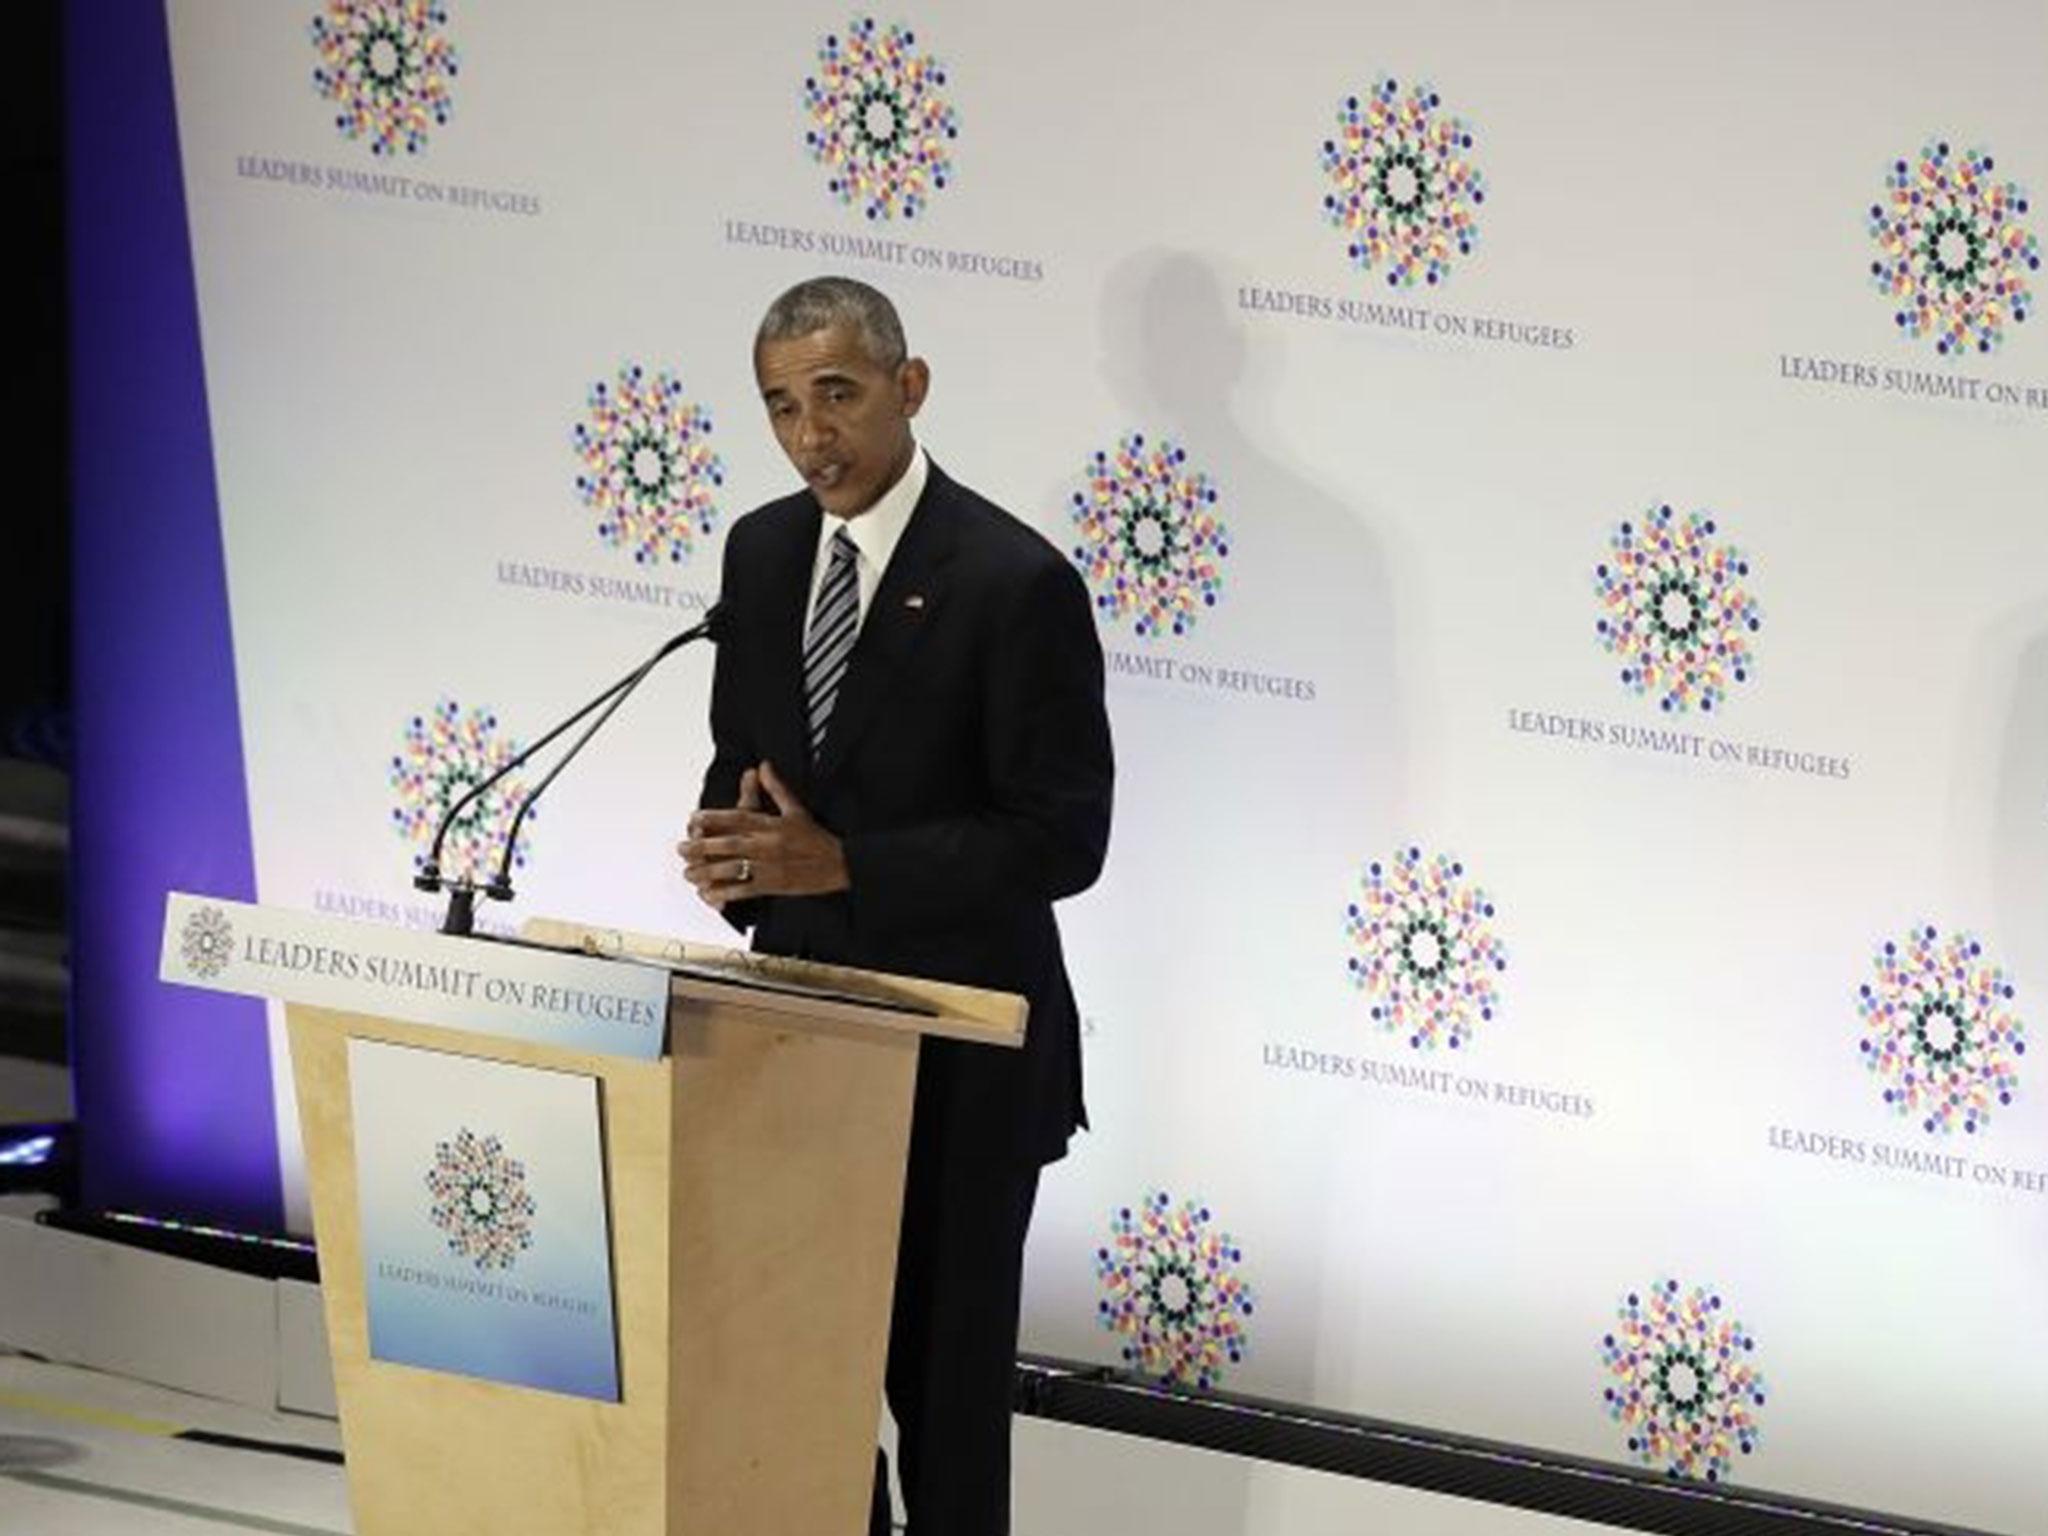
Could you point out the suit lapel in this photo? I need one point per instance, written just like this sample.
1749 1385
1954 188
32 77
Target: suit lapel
906 599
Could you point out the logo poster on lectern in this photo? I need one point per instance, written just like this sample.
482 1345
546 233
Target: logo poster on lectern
486 1249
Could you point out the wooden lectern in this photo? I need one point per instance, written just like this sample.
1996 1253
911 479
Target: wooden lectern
755 1184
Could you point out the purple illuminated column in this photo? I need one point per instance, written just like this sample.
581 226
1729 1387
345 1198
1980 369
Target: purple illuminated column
173 1086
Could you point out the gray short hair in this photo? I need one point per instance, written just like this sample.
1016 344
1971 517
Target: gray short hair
818 303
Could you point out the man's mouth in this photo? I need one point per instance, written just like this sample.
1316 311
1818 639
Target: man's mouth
823 477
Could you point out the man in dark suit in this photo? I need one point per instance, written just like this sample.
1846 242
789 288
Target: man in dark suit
912 763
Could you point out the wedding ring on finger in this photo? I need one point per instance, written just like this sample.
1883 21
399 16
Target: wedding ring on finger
746 871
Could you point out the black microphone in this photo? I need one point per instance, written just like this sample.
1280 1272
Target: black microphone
461 915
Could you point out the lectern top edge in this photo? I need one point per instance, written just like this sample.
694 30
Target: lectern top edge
816 994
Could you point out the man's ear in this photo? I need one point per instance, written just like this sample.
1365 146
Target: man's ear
914 379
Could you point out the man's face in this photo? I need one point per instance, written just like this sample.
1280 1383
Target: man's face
843 419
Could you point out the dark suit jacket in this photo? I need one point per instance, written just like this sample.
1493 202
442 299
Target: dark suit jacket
966 769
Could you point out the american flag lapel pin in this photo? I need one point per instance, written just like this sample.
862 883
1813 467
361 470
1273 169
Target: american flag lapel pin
915 601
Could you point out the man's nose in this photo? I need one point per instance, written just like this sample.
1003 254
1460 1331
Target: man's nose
811 432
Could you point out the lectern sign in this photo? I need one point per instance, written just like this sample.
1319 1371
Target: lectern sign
578 1002
486 1248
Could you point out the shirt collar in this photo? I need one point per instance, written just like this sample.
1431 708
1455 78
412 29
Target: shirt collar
876 531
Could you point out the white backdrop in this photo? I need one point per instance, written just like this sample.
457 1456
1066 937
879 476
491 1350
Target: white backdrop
1669 301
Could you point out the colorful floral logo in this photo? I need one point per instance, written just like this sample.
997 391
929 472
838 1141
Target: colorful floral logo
1676 610
1172 1293
445 755
385 64
1406 192
207 942
1680 1381
648 470
879 124
1952 254
1150 542
1939 1031
1426 953
480 1200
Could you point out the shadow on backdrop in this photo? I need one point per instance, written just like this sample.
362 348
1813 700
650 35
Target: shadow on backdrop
1290 798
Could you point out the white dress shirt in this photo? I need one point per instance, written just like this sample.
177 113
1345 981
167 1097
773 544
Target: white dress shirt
875 534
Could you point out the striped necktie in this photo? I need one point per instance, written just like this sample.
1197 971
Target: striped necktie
835 622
